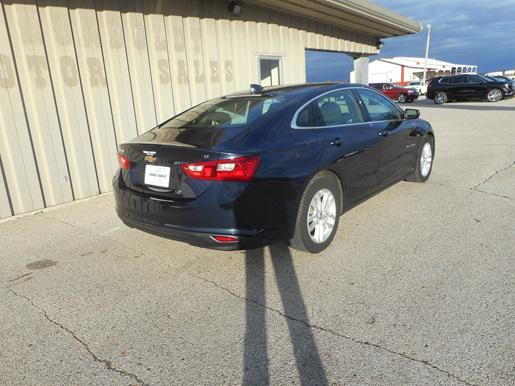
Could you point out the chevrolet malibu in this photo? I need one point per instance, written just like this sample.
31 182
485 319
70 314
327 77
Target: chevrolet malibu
273 164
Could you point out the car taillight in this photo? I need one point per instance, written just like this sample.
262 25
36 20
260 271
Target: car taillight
225 239
124 161
237 169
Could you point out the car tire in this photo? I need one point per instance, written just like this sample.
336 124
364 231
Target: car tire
494 95
402 98
440 98
425 157
311 233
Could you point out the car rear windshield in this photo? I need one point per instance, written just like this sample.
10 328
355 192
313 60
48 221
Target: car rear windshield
226 113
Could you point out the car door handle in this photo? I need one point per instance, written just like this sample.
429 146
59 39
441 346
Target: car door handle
336 142
385 133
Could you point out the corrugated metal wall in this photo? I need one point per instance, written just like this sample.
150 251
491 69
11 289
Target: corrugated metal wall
79 77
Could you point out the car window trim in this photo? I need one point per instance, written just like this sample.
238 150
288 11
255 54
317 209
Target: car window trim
293 123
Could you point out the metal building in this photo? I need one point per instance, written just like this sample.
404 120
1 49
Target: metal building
79 77
404 69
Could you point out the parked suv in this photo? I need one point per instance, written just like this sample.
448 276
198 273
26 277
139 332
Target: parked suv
463 87
396 93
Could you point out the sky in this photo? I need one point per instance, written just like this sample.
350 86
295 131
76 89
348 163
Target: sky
475 32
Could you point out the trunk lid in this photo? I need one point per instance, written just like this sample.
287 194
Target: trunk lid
156 158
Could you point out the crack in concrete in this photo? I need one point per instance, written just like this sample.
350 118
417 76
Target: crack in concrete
21 281
492 176
108 364
330 331
492 194
19 277
475 188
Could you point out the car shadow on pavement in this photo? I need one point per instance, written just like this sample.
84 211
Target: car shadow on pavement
256 362
255 355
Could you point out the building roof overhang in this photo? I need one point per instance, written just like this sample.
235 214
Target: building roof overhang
354 15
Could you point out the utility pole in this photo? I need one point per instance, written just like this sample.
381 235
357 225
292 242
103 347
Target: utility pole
427 53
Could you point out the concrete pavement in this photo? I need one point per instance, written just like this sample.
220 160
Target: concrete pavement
417 287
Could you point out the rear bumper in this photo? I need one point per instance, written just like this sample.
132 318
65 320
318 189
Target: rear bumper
199 237
254 224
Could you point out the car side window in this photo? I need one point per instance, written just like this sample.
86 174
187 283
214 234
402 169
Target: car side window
458 80
379 108
310 116
473 79
333 109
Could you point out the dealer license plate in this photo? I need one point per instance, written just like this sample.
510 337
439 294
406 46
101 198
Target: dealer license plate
157 176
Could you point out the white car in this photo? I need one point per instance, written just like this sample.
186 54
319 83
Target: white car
418 86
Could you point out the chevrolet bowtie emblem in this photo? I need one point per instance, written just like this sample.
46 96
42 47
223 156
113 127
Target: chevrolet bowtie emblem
150 156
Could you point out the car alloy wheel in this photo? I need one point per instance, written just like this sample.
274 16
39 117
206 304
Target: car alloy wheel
402 98
494 95
426 158
319 213
440 98
321 216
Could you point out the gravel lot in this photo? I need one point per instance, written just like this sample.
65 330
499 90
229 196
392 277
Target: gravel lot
417 287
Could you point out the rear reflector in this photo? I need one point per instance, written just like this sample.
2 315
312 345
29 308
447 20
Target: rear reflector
124 161
225 239
237 169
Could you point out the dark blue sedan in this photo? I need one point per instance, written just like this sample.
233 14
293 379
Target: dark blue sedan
272 164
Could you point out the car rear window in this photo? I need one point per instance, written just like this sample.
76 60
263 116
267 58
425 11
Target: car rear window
230 112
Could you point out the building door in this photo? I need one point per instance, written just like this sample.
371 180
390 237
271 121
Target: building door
270 70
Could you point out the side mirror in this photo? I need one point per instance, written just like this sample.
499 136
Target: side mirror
411 114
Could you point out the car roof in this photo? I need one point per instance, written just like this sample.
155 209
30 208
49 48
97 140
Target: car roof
297 90
450 76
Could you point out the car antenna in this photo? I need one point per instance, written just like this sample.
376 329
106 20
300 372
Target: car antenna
256 88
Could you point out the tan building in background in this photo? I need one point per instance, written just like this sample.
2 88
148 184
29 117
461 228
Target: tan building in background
77 78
